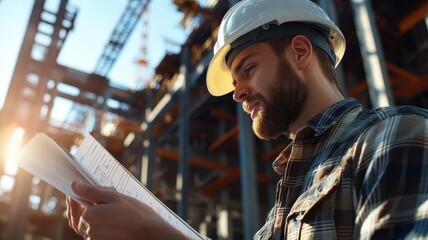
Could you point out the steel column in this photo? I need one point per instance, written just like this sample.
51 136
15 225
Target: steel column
19 210
372 54
48 64
248 174
182 183
148 157
224 221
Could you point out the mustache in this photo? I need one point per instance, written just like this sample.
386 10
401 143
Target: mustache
246 105
250 99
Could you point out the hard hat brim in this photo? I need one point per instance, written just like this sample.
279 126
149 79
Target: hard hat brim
219 78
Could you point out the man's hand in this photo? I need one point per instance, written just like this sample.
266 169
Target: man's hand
115 216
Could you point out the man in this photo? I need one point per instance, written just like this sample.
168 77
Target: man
348 173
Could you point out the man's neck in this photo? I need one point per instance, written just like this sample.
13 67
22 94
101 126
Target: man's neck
321 95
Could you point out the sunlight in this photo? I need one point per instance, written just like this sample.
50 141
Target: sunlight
12 151
426 21
6 184
128 140
223 224
108 129
34 201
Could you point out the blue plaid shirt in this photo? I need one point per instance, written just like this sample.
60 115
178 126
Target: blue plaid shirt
351 173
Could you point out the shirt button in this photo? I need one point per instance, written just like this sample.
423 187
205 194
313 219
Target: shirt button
318 191
300 216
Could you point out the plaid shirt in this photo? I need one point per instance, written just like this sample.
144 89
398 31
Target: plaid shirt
356 174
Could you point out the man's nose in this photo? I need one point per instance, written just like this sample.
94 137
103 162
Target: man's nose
241 93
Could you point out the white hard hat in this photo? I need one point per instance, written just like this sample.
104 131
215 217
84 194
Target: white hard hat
248 16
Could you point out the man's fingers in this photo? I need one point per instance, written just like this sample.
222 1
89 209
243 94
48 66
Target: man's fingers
67 200
94 194
83 228
74 212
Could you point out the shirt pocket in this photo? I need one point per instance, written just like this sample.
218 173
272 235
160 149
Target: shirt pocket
312 215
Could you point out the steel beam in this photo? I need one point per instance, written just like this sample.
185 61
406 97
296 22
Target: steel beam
18 218
248 174
182 183
148 158
224 220
372 54
9 114
168 99
413 18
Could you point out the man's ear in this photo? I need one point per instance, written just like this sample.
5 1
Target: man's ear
301 48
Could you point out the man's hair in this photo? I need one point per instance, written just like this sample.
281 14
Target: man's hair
278 44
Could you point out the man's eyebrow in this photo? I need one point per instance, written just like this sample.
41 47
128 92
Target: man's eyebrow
240 64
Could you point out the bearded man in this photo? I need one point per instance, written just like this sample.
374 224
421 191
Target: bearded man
349 173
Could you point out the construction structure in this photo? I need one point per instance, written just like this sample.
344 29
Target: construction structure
195 152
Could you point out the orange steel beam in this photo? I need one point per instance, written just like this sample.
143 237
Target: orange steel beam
215 186
196 161
263 178
412 89
362 86
403 73
167 119
229 135
413 18
231 172
413 86
192 5
228 178
357 90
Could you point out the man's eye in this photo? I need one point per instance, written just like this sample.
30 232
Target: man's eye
249 69
234 82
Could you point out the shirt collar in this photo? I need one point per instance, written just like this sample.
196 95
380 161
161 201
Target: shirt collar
315 127
327 118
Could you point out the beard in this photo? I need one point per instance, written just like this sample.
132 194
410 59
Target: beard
288 97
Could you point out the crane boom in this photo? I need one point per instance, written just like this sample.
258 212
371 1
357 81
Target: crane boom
120 35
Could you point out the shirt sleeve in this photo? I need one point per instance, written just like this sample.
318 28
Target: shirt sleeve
391 179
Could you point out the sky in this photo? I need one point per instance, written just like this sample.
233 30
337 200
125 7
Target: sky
94 24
